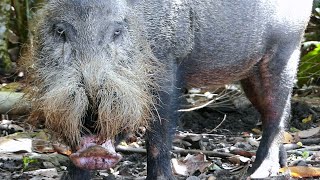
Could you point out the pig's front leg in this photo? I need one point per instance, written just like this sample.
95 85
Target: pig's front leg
159 134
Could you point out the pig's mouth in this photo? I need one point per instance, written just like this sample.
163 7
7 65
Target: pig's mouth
94 154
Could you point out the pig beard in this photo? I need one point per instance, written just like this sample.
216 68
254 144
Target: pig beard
120 87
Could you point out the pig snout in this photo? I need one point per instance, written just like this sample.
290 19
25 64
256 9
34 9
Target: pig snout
95 155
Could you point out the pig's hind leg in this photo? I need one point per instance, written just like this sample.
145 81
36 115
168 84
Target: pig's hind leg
269 88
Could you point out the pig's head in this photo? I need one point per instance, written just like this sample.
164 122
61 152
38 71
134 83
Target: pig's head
94 74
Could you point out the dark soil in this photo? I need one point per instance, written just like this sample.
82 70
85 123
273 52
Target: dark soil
232 123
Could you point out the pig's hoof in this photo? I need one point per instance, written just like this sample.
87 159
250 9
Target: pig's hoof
266 169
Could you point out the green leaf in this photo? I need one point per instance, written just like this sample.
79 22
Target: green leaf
305 154
27 161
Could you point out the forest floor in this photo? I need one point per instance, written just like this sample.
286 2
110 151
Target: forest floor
215 142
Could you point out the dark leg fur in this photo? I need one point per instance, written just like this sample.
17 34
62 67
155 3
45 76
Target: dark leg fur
159 136
269 89
75 173
283 156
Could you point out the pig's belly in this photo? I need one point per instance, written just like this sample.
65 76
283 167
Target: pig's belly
202 74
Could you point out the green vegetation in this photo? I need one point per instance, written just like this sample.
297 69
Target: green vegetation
27 161
15 16
309 69
5 62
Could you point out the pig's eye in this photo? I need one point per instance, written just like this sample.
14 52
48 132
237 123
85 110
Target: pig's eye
59 32
63 32
117 33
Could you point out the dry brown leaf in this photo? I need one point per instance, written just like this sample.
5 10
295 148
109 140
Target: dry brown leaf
302 171
190 164
257 131
41 142
62 149
196 162
288 138
238 159
308 133
179 167
242 153
42 146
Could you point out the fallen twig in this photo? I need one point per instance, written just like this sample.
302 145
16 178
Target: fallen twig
296 162
198 107
289 147
179 151
305 149
203 134
310 141
224 118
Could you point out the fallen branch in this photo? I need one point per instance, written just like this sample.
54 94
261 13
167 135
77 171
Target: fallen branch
309 149
125 149
13 103
184 135
296 162
289 147
208 153
310 141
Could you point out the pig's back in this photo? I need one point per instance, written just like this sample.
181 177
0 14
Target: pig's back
233 30
230 37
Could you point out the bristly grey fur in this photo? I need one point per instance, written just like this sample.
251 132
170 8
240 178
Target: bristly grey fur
122 58
118 79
